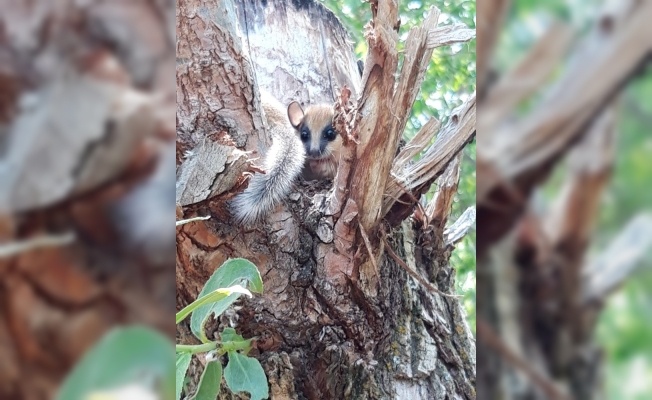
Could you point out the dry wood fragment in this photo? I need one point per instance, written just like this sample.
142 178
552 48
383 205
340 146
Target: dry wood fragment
439 207
418 177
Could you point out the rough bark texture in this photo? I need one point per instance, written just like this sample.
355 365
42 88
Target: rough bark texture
338 319
85 111
535 322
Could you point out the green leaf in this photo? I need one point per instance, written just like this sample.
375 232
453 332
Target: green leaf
229 335
213 297
209 384
123 356
183 361
232 272
245 374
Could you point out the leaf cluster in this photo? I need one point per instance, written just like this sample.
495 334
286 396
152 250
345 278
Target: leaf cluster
242 373
136 362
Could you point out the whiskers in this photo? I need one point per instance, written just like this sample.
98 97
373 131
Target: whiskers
324 167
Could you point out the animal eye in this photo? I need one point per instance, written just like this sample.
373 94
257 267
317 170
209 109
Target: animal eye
305 135
329 134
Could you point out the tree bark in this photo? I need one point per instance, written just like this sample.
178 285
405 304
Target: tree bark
85 107
339 318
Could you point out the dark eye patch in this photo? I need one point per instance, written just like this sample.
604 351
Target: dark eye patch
305 134
329 133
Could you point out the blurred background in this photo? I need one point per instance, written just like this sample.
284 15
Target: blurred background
87 172
449 82
564 200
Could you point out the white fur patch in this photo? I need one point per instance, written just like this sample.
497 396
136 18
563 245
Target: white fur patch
283 164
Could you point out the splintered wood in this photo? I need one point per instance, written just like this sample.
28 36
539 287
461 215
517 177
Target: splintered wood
417 177
386 112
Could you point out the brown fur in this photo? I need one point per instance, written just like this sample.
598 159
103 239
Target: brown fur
316 118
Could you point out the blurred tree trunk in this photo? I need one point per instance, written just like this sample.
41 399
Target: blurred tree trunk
538 295
85 111
339 317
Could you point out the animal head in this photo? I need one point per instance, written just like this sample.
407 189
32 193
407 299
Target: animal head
315 128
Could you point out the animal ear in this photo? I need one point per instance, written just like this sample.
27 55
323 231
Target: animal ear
295 114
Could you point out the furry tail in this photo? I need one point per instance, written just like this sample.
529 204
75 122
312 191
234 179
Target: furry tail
283 164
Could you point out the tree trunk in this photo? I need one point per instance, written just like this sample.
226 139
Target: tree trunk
83 244
339 317
536 316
